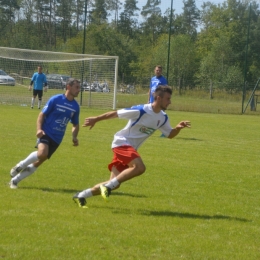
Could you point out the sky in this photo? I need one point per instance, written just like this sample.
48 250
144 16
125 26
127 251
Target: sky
177 5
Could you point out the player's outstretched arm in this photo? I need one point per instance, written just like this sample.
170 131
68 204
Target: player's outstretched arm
91 121
175 131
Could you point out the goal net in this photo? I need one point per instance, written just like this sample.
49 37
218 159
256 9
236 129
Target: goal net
97 74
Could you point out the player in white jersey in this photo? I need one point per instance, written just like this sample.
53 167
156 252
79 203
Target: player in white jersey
51 125
126 164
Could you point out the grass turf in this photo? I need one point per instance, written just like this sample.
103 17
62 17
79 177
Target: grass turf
199 197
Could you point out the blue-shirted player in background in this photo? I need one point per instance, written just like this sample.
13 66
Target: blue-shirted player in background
51 125
38 80
143 121
157 80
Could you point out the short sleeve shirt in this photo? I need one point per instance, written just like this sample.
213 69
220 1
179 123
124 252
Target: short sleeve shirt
59 111
155 82
38 80
142 123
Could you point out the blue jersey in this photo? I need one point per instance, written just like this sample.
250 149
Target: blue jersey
38 80
142 123
58 112
155 82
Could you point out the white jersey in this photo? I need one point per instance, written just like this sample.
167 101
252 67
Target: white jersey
143 122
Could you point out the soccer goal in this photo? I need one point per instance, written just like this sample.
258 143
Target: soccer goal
97 74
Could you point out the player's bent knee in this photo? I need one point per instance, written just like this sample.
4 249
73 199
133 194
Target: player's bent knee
42 156
140 168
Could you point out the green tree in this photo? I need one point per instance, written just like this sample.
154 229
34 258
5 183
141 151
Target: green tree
7 20
182 60
219 68
128 22
64 18
152 13
98 14
191 17
105 40
230 21
114 6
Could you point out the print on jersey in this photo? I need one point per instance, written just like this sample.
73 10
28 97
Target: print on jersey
146 130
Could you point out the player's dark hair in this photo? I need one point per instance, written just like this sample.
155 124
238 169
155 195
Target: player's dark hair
160 90
71 82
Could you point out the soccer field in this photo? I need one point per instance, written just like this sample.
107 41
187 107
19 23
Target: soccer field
198 199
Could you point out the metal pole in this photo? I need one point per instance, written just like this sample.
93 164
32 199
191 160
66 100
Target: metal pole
169 43
84 31
83 48
115 83
244 87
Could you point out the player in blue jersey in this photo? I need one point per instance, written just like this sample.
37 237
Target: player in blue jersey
51 125
38 80
143 121
157 80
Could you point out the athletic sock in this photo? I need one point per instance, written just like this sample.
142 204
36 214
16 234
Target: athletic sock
85 194
30 159
32 103
24 174
39 103
112 184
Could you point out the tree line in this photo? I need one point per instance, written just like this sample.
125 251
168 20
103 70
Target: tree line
216 46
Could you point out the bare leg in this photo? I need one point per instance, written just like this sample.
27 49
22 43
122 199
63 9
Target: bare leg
42 154
136 168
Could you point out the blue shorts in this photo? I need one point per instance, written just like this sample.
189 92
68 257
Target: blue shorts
45 139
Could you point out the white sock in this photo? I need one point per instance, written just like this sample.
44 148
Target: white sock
85 193
39 103
22 175
30 159
112 184
32 104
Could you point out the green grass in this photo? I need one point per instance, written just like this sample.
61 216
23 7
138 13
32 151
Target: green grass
198 199
189 101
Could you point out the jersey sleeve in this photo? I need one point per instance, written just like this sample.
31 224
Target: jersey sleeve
130 113
33 77
49 105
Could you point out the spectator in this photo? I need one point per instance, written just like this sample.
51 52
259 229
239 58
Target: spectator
157 80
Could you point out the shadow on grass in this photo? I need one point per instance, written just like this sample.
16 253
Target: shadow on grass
72 191
189 215
171 214
190 139
128 194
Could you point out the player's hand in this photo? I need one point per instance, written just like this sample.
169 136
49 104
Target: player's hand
30 88
75 141
90 121
40 133
183 124
45 89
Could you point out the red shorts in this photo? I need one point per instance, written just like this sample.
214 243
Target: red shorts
123 155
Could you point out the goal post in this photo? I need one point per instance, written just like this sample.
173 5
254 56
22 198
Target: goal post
97 74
